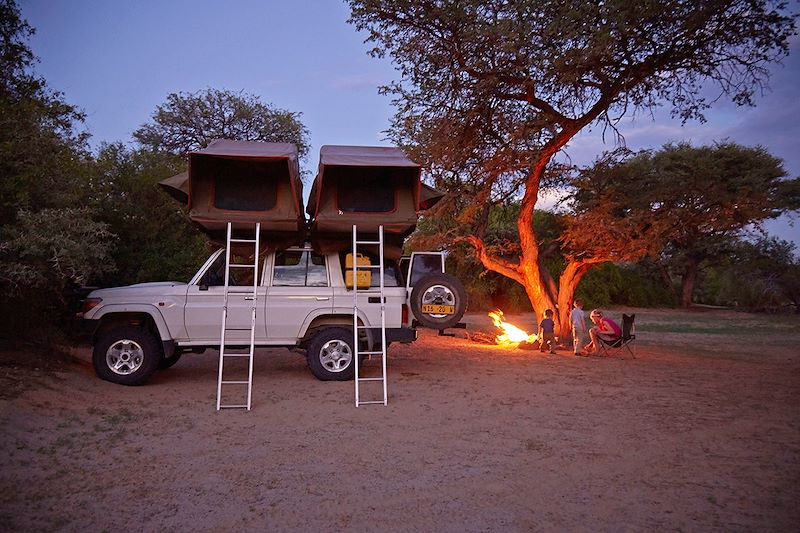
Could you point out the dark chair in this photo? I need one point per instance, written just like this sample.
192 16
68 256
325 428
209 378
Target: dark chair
625 342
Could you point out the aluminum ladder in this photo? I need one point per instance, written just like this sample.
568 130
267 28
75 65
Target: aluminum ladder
253 298
356 326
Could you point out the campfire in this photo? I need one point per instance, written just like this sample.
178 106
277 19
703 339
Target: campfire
510 335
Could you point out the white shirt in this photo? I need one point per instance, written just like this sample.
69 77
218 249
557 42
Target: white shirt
577 319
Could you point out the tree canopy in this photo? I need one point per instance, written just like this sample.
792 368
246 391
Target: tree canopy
46 243
491 90
189 121
691 201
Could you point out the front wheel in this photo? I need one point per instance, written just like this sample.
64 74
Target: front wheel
331 355
438 301
127 355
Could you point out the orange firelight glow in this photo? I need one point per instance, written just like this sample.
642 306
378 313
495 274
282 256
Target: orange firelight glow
511 334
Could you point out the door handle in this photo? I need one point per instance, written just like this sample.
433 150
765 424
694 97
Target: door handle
251 298
322 298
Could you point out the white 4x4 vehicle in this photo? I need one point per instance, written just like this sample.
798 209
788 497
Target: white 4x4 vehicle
302 301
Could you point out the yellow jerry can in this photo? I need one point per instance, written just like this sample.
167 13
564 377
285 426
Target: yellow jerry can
364 277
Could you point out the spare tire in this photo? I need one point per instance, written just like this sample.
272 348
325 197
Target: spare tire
438 301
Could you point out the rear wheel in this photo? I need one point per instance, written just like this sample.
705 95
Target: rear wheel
331 355
438 301
127 355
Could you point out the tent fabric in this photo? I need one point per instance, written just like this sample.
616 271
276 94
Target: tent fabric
177 186
244 182
367 186
428 197
364 156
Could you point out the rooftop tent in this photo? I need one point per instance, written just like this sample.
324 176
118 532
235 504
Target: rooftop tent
364 185
245 182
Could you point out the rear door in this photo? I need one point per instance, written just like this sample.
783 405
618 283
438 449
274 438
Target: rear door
422 264
299 286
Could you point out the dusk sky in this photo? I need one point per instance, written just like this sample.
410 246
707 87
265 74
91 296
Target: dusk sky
117 60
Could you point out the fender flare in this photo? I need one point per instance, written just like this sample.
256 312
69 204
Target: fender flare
339 312
150 310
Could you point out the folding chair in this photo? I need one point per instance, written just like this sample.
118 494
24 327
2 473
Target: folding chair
627 341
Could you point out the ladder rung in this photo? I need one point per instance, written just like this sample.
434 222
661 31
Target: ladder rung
234 406
370 353
362 267
370 379
237 329
369 293
368 242
369 403
241 265
244 240
236 383
236 355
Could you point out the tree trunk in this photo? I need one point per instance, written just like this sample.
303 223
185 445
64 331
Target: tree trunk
688 281
539 298
567 284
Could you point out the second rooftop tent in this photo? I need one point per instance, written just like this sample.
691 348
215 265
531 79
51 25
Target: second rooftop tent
366 186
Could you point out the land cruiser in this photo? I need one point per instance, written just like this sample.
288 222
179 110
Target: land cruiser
302 301
303 296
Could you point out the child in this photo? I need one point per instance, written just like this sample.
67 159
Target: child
578 322
547 332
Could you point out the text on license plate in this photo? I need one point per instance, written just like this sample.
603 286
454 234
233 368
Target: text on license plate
438 309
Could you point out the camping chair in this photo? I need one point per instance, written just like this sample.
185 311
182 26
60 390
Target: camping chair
626 341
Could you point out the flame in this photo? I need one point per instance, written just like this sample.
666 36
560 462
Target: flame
511 334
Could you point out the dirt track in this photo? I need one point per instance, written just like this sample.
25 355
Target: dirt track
474 438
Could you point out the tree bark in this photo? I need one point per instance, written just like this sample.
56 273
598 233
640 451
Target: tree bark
688 281
567 284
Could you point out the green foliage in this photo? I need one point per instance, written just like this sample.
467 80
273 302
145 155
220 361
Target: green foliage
156 241
50 249
48 245
189 121
761 275
41 156
629 284
687 203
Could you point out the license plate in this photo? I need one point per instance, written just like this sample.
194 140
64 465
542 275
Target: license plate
438 309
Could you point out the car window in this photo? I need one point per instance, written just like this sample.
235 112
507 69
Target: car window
391 270
425 264
238 277
299 268
317 275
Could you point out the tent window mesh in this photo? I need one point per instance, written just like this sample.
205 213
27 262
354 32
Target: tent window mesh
240 186
365 194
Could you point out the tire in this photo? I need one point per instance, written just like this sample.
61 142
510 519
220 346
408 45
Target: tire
438 289
331 355
168 362
127 355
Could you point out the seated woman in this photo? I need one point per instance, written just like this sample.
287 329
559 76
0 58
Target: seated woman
604 328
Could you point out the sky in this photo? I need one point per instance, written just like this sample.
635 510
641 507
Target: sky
119 59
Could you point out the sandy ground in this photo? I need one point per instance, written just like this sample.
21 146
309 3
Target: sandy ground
696 433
